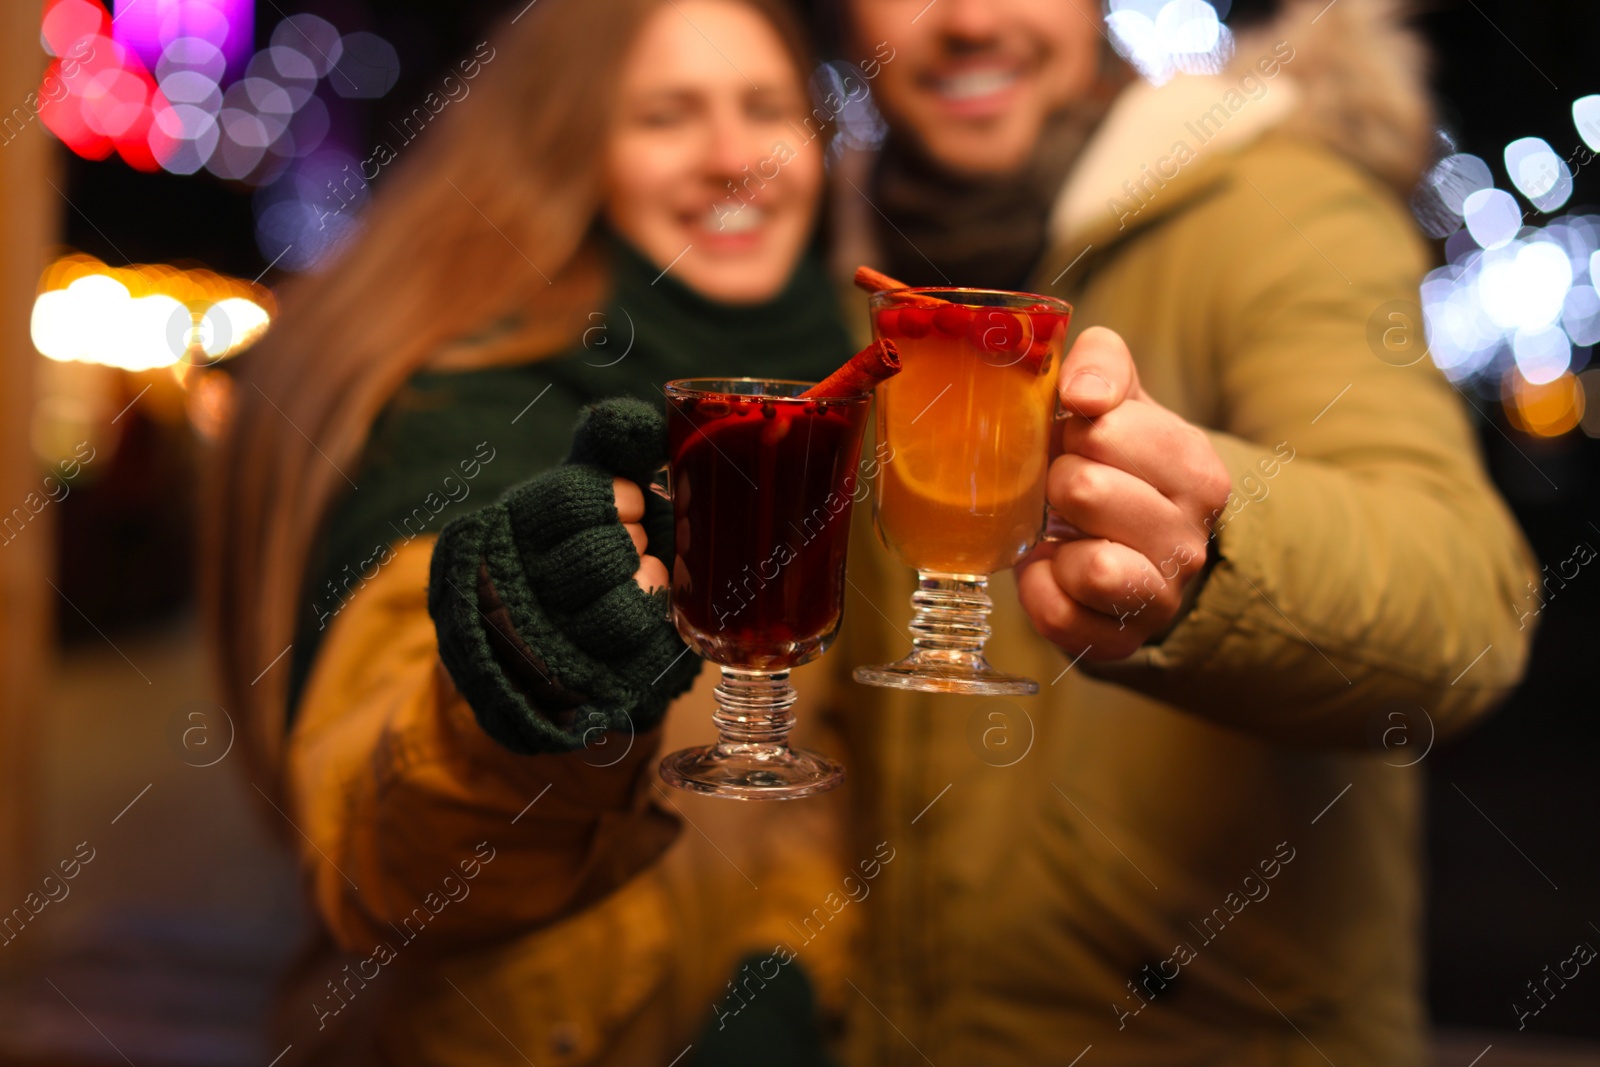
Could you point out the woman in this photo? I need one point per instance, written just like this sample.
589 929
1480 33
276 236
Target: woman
625 201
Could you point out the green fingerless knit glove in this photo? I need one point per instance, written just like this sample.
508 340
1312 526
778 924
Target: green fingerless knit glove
540 622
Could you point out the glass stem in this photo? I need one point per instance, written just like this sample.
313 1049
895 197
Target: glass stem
951 612
754 709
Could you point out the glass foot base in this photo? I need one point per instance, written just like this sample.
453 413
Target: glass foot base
963 673
751 771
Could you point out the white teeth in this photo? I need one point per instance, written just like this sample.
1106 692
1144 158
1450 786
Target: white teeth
976 84
734 219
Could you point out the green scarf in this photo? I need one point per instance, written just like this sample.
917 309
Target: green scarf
450 443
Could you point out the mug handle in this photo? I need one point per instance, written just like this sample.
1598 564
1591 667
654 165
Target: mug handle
1056 528
661 487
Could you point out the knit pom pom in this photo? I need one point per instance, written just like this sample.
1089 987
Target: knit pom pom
623 435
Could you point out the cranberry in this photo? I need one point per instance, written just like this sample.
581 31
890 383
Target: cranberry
952 320
889 322
1040 357
997 330
915 322
1045 324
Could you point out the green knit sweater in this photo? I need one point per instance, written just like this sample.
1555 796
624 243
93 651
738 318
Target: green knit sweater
450 444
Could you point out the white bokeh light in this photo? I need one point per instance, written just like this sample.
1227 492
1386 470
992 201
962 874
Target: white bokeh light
1538 173
191 136
192 53
1586 117
1579 237
202 113
1524 285
1580 315
1164 37
1461 338
1528 304
144 333
289 70
1493 217
54 326
1437 201
96 320
1459 176
271 104
242 146
192 87
232 323
1543 354
258 121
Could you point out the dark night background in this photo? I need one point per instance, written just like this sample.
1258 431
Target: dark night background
1494 919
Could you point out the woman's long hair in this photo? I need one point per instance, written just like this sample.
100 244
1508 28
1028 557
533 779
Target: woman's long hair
491 212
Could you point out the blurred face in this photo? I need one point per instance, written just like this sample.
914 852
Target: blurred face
705 171
974 80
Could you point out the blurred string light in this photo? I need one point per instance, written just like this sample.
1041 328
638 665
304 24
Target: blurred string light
1538 173
110 99
1547 409
1515 309
145 27
308 211
173 85
145 317
1586 116
845 96
311 211
1162 38
1493 217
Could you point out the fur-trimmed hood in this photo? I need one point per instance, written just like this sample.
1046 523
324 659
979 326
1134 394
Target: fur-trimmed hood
1363 76
1348 73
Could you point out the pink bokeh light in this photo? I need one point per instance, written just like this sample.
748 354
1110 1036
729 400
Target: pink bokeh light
145 27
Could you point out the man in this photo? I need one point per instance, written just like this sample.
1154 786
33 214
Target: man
1199 845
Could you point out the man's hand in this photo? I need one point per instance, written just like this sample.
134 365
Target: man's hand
1140 483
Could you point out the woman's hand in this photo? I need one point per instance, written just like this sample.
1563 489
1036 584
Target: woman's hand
652 572
550 604
1141 484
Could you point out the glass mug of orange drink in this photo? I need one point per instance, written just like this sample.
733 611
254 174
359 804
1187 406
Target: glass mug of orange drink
968 422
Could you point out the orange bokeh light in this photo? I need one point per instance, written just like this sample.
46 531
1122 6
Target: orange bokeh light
1547 410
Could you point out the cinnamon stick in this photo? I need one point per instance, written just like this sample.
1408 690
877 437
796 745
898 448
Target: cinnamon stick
875 281
865 369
